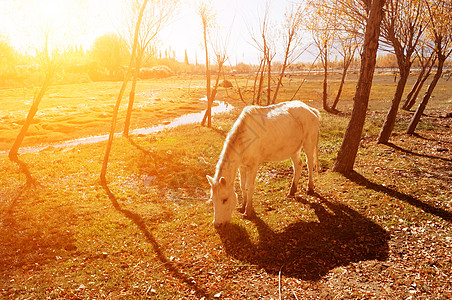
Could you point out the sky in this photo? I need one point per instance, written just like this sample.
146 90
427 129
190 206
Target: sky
79 22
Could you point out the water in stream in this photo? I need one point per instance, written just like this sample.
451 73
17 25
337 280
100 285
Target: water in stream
186 119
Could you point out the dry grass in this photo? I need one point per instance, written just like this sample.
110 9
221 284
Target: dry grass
383 232
79 110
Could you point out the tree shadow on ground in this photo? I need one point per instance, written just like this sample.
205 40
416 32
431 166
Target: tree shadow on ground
361 180
200 292
220 131
31 182
24 169
139 147
429 139
26 240
20 193
23 248
406 151
309 250
29 238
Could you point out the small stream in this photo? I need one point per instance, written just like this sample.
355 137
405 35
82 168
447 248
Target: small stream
186 119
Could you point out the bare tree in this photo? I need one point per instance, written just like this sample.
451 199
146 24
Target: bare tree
426 61
440 30
348 41
347 47
49 62
350 144
337 26
264 42
292 40
207 20
270 54
121 93
155 16
220 50
322 24
402 28
303 80
259 80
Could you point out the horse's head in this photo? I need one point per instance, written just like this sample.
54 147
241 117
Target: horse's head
224 199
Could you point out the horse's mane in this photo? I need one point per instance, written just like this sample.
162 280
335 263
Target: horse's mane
233 139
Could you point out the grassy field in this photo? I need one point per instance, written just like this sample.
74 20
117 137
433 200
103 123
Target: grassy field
382 232
79 110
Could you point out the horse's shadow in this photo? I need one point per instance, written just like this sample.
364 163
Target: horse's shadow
309 250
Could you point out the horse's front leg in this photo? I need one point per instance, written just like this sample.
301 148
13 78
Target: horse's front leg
243 172
250 178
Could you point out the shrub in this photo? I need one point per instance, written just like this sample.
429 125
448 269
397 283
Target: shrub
226 84
160 71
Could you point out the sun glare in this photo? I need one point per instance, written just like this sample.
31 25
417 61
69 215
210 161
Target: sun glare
28 24
65 23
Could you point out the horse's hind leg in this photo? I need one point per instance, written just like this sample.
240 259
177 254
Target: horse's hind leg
243 172
297 165
309 151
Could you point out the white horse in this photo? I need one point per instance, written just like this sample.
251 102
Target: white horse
270 133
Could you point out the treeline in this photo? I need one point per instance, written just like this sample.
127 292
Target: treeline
105 61
108 57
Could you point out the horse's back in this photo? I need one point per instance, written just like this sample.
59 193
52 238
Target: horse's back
291 114
277 131
302 111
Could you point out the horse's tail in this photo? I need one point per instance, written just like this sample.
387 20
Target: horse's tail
316 148
316 154
316 112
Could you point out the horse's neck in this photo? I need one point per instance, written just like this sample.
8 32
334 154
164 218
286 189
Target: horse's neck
228 164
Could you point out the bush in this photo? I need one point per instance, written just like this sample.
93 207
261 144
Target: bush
156 72
226 84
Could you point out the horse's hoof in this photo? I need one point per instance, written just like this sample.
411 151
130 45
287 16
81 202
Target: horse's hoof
241 210
311 192
291 195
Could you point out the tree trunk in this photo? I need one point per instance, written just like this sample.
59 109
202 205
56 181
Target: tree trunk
281 76
410 95
208 113
261 83
350 144
388 125
255 82
269 78
23 132
325 80
339 92
103 172
214 91
413 98
33 110
239 90
420 110
132 94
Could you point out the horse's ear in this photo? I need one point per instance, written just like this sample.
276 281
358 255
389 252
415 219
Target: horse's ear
222 181
210 179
